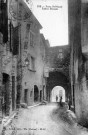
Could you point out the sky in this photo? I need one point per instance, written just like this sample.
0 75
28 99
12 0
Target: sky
53 16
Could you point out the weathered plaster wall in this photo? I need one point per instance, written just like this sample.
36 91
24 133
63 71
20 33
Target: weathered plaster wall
31 77
77 39
84 26
74 15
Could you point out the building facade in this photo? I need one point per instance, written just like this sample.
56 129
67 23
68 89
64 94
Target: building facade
79 60
32 56
22 57
8 62
59 61
84 45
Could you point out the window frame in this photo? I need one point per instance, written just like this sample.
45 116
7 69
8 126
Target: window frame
60 54
33 38
27 30
32 63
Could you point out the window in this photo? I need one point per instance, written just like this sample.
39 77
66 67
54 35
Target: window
32 63
15 41
60 55
60 50
4 20
31 39
25 95
27 30
26 45
13 92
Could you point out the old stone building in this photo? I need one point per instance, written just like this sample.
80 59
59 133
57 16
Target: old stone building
44 50
8 62
59 60
75 43
78 42
32 59
84 45
22 57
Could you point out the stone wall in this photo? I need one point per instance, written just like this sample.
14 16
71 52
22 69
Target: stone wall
74 10
78 38
59 61
32 49
84 64
57 79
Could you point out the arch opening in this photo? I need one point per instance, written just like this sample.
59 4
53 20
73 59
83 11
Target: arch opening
56 93
57 78
36 93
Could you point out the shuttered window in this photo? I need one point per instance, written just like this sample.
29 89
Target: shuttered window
31 39
4 20
15 40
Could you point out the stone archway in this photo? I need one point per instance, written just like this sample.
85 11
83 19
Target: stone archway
56 93
36 93
57 78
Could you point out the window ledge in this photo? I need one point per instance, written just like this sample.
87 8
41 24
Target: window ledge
32 70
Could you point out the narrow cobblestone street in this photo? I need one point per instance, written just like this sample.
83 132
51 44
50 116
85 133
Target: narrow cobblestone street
41 120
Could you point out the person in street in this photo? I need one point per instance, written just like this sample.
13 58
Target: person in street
61 104
69 103
56 98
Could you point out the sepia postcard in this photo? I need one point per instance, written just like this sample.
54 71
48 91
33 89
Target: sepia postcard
43 67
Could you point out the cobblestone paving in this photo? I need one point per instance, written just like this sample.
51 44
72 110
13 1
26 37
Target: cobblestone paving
41 121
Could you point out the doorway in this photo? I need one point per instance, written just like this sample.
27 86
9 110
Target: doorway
43 92
36 93
6 94
40 95
13 92
25 96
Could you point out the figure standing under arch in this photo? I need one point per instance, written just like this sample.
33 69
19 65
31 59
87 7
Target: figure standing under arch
56 98
57 93
61 104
